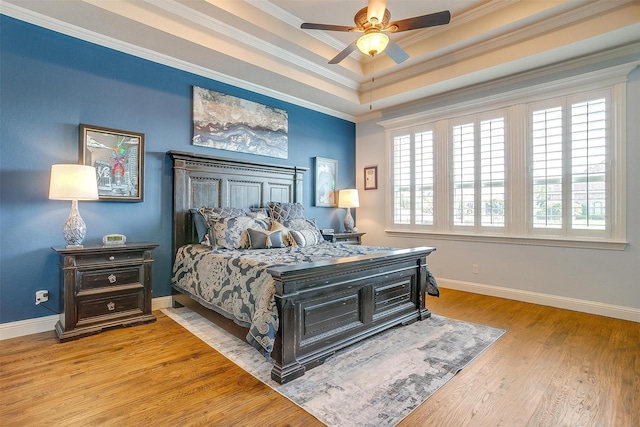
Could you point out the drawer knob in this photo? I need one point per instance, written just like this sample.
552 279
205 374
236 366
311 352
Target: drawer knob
111 306
111 258
112 278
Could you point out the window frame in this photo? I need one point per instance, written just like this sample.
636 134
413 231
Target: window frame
566 231
518 227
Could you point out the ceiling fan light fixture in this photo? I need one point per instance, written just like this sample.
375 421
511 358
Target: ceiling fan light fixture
372 43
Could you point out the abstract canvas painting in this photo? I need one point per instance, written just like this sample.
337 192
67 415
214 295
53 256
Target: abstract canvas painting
230 123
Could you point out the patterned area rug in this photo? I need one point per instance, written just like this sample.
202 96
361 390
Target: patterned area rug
377 382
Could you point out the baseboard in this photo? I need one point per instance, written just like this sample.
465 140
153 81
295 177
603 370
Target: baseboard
48 323
161 302
585 306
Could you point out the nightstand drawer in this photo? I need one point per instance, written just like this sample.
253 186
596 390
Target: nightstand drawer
349 240
111 257
96 279
113 305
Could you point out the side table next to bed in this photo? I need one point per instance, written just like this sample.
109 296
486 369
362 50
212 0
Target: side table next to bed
103 287
354 238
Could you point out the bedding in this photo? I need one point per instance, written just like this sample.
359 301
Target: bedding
236 284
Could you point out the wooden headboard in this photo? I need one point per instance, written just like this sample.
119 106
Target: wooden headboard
200 180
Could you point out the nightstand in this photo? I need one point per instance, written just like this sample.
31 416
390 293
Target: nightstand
103 287
348 238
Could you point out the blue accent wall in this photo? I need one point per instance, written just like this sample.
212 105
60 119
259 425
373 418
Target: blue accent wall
49 83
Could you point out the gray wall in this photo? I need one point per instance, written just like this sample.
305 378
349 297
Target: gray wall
598 281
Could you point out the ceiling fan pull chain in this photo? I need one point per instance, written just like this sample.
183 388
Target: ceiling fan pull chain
371 85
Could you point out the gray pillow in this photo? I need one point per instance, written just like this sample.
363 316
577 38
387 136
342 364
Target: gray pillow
264 239
285 211
199 222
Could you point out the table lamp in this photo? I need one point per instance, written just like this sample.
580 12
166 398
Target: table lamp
73 182
348 198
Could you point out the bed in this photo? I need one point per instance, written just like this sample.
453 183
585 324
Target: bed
314 300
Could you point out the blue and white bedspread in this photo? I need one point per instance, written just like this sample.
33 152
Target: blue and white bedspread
235 283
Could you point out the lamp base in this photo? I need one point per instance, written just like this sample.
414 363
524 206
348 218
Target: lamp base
348 222
74 228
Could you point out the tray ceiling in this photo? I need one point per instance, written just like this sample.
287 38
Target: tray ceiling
258 44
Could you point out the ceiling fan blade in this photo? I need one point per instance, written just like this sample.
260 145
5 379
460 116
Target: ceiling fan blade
432 20
375 9
346 52
396 53
327 27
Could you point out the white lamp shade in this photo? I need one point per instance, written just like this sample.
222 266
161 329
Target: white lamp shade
73 182
372 43
348 198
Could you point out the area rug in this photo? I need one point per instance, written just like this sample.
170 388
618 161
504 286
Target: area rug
377 382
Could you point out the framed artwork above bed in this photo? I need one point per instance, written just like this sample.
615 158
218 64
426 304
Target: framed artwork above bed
326 176
229 123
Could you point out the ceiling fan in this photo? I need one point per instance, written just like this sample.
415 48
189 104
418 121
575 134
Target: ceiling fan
372 21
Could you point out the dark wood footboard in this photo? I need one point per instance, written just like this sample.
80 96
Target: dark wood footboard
326 306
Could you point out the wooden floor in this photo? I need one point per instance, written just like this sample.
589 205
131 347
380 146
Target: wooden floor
552 368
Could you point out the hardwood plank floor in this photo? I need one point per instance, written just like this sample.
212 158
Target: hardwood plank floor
552 368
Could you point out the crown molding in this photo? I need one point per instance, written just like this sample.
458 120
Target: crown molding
37 19
545 26
457 21
584 80
255 43
295 22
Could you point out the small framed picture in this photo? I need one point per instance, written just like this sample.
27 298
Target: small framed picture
118 156
371 178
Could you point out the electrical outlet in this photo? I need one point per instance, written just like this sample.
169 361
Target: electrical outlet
42 296
475 268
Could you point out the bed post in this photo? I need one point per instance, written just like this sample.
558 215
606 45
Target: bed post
286 367
297 184
424 312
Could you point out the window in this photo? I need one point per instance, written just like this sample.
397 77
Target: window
569 167
540 170
478 164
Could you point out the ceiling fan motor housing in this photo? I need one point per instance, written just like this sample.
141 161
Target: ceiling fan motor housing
361 21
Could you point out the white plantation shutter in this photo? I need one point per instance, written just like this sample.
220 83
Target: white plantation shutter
588 165
424 178
402 179
492 172
547 167
569 167
464 175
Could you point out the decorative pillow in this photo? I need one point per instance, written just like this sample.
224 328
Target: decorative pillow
261 216
263 239
258 212
286 233
304 232
285 211
223 212
209 217
231 232
200 224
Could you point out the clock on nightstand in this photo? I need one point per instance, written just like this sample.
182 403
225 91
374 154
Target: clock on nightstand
103 287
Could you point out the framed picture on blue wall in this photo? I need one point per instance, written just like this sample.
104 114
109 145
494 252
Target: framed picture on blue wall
118 157
326 178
